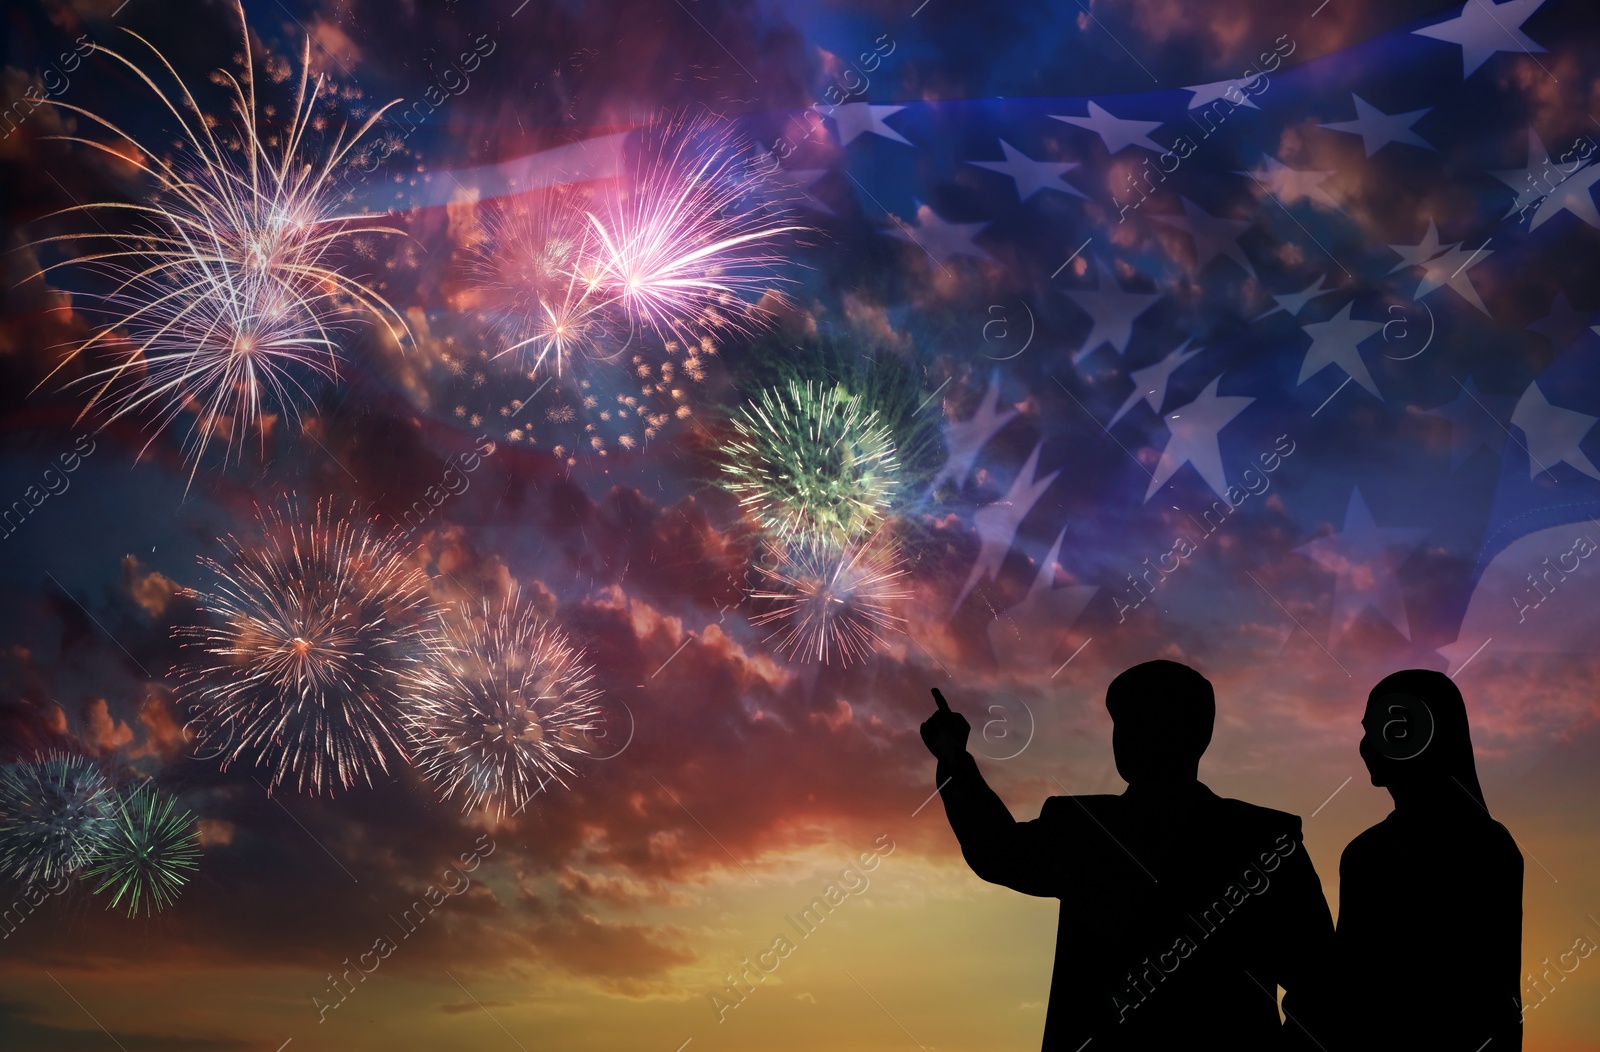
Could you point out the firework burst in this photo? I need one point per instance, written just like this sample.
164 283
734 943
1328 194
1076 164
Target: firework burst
225 290
54 814
824 599
150 852
811 462
505 705
317 629
692 238
534 270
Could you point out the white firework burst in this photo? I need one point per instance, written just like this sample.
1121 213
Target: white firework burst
225 284
826 599
507 702
55 813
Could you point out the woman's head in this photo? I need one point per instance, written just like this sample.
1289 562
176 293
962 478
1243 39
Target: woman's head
1417 742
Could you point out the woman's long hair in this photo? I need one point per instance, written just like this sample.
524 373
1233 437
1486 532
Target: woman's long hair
1425 739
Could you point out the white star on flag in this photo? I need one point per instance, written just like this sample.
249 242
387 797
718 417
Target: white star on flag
1364 558
964 439
1031 176
855 119
1563 324
1573 194
997 523
1289 185
1031 631
1227 90
1194 430
1295 302
1475 423
1553 434
1530 183
1113 311
939 238
1337 342
1453 268
1116 133
1150 383
798 182
1420 253
1378 129
1213 236
1485 27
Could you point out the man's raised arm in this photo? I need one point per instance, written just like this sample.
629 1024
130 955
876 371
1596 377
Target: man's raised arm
1001 850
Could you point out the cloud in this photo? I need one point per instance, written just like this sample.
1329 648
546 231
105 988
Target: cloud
461 1007
152 591
103 733
630 959
20 1024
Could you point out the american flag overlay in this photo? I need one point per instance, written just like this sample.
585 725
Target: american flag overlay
486 491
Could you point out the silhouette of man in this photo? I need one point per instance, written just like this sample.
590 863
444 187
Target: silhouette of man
1181 912
1429 945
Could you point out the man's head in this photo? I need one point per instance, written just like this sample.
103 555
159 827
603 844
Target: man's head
1161 715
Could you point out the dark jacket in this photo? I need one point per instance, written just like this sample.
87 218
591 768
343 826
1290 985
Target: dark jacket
1181 915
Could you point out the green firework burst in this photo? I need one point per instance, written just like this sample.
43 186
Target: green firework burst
811 461
149 854
54 813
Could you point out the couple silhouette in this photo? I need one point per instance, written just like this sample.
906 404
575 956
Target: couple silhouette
1183 913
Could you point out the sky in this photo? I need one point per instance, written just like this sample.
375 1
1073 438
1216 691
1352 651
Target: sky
1251 335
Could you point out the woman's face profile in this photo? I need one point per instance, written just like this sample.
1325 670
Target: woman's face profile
1372 727
1397 727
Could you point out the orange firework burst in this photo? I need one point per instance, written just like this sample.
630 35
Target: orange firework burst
317 630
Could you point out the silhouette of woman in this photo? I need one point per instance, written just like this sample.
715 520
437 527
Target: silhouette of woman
1429 940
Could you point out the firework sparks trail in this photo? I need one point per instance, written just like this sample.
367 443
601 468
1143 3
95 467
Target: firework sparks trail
507 700
148 854
825 599
810 462
55 812
318 630
226 287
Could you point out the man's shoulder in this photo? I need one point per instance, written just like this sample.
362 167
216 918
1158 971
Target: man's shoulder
1233 812
1097 806
1256 816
